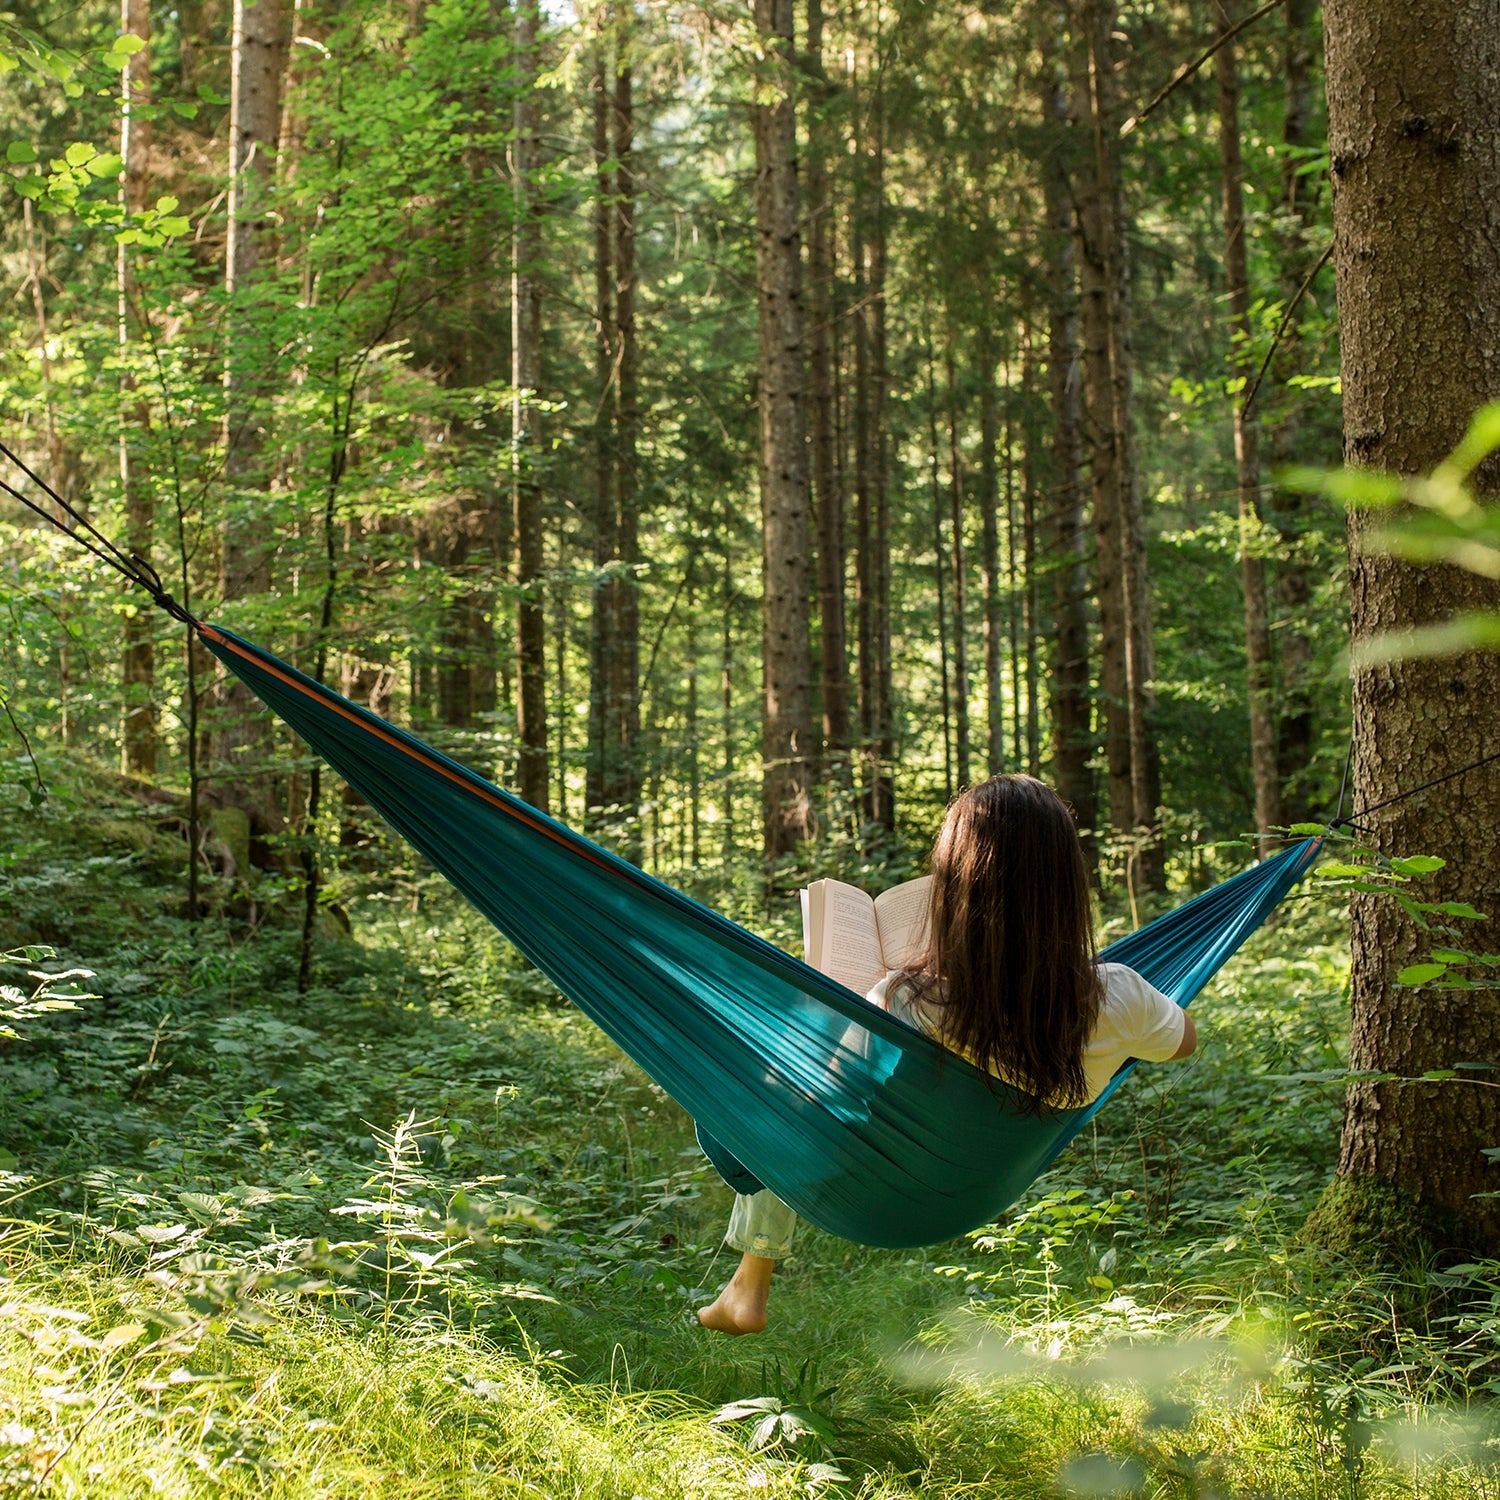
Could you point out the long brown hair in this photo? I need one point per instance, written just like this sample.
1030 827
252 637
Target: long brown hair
1007 976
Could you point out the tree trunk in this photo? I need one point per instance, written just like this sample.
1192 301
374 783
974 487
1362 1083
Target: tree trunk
242 739
605 747
1028 559
1258 662
138 747
1072 729
526 378
1093 268
865 566
1413 94
989 505
828 497
1145 764
787 741
885 708
960 618
627 791
940 568
1293 585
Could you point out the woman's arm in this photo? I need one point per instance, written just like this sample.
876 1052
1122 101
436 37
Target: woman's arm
1189 1038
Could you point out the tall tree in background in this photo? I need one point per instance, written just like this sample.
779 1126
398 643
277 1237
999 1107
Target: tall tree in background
1413 96
787 743
138 732
257 56
838 731
1109 251
526 378
1258 662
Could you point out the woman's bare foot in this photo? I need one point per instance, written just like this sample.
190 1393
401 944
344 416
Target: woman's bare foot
741 1306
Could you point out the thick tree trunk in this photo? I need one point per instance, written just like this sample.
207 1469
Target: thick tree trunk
242 737
1258 661
1299 197
787 737
828 497
1093 269
1072 729
1099 18
960 584
138 747
526 378
1413 96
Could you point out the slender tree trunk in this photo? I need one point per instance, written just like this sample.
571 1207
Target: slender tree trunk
242 738
1299 196
138 747
828 497
1013 598
605 742
1258 662
1028 559
560 650
1413 96
960 583
866 569
885 719
787 739
940 569
726 690
526 378
627 793
989 505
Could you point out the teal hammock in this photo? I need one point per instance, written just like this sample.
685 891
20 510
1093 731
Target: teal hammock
863 1125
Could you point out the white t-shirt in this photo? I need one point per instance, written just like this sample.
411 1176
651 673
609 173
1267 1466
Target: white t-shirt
1135 1020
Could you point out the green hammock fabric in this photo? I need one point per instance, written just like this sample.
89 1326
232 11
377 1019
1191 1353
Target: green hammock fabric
860 1123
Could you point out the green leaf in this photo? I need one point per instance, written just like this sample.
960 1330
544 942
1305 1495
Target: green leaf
1352 487
1338 871
80 153
8 1161
31 186
1473 630
107 164
7 62
128 43
1307 830
174 225
20 151
165 205
1418 864
1457 909
1482 438
1417 974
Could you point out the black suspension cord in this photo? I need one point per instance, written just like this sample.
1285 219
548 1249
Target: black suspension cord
132 567
1353 820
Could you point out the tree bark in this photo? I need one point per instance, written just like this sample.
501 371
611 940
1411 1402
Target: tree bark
1145 765
1413 96
1072 728
138 738
242 738
605 734
989 506
940 569
829 501
1299 195
786 726
526 379
626 793
1258 662
960 581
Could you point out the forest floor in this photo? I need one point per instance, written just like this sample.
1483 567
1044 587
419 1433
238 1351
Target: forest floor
423 1232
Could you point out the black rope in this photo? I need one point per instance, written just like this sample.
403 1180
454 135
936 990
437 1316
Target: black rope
132 567
1353 820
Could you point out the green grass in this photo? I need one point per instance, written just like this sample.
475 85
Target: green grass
422 1232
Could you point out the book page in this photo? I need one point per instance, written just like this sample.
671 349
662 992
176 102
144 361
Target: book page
845 942
901 921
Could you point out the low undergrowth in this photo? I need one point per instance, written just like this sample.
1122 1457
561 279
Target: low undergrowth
421 1231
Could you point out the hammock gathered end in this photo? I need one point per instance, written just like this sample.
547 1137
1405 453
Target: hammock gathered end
859 1122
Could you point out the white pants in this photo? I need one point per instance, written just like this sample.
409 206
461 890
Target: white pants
761 1224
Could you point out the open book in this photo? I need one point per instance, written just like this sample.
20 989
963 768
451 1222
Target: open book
857 940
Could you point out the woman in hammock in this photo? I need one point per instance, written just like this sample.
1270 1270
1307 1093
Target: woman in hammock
1007 979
